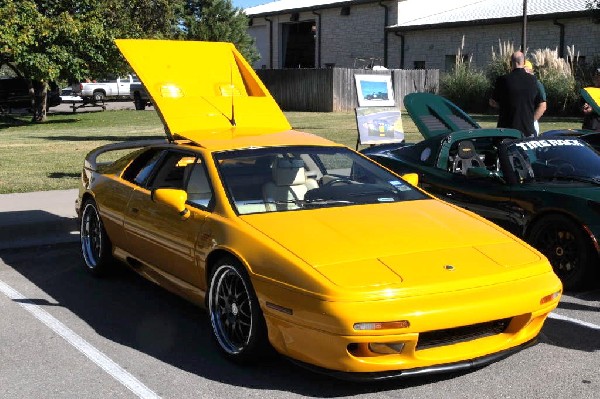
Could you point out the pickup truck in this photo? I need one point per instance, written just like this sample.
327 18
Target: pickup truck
139 95
98 91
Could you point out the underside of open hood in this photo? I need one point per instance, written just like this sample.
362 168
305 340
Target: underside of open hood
203 90
591 95
435 115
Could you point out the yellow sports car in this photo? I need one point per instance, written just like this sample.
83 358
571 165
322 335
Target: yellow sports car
294 242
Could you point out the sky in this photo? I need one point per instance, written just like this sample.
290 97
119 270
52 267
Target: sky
249 3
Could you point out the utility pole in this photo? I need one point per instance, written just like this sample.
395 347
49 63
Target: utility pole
524 31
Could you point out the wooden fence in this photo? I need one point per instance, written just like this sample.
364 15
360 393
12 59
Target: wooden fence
334 89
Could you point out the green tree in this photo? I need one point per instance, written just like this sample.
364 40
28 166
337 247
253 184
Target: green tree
218 20
68 40
594 6
71 39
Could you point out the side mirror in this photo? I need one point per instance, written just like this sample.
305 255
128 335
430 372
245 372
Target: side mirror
411 178
173 198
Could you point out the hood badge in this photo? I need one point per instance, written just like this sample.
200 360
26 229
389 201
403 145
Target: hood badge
450 268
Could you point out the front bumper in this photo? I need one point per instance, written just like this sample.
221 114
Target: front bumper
447 332
419 371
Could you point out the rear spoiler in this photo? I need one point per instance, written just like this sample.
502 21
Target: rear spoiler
91 163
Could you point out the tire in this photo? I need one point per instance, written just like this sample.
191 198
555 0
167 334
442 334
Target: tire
567 247
96 247
140 104
99 97
237 322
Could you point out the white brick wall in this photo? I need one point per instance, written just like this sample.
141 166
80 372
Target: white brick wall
433 45
361 35
358 35
343 37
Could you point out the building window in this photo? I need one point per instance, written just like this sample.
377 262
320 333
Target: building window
450 61
419 64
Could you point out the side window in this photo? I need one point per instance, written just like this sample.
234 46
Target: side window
170 173
141 168
197 185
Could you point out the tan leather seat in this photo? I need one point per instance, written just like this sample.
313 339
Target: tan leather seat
289 185
198 188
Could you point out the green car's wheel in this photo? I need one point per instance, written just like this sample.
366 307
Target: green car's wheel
95 245
567 247
237 322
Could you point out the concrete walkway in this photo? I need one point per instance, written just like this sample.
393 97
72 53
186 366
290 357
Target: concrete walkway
38 218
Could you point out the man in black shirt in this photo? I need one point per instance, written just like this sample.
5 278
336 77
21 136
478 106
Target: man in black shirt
517 97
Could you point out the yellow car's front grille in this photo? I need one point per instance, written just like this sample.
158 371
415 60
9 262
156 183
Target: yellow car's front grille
432 339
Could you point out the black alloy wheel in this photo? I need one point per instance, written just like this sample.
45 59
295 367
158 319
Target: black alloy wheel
567 247
237 321
95 245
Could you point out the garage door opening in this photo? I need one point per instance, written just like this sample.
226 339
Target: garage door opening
298 44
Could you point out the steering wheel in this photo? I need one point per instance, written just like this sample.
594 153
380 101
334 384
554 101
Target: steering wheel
563 168
345 180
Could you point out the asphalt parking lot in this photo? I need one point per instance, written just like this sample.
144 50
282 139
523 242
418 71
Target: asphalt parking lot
66 334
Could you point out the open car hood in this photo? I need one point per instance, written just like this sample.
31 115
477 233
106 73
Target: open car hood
591 95
434 115
203 90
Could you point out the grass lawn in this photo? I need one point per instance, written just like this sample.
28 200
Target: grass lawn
49 156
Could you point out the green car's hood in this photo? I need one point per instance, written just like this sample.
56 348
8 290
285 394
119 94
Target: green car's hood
434 115
437 116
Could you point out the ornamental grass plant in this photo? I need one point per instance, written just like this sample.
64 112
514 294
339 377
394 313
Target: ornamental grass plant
465 85
558 77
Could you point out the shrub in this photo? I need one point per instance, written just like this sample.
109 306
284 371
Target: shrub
465 86
558 79
500 64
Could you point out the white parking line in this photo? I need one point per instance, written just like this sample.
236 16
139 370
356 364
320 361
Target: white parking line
112 368
575 321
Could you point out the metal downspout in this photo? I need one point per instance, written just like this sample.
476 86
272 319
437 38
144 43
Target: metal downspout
318 39
270 42
385 38
561 39
401 36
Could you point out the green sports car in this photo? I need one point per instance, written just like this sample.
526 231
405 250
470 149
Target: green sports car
545 190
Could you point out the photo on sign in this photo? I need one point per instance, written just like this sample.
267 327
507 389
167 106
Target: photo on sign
374 90
378 125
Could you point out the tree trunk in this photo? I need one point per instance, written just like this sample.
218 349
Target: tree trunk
38 101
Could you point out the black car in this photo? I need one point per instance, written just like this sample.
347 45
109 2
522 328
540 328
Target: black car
14 91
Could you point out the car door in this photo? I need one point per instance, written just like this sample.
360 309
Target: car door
486 196
156 233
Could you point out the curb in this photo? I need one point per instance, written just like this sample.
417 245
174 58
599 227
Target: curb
38 218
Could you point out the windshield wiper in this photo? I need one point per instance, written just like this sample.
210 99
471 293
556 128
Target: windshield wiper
322 201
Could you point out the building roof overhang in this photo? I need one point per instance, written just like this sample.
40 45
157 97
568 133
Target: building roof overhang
491 21
313 8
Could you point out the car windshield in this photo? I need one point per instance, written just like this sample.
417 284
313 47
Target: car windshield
298 178
554 159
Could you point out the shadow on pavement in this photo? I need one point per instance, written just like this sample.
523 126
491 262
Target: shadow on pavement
27 228
131 311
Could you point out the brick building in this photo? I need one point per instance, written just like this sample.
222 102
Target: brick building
413 34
